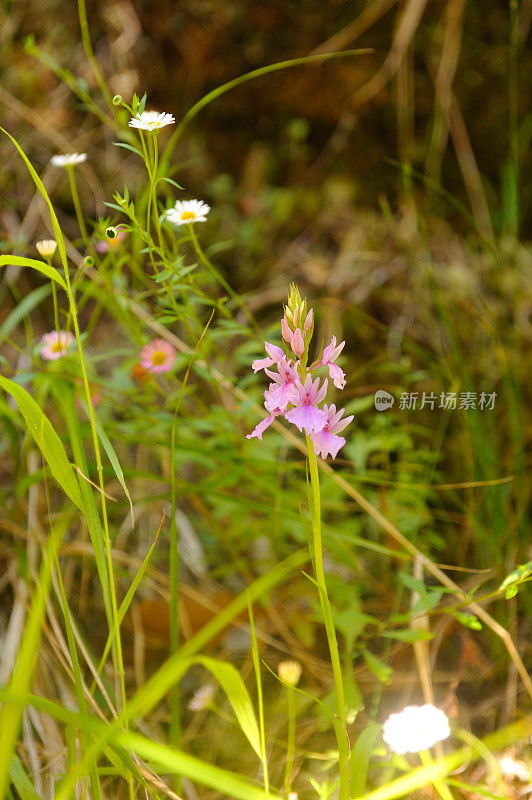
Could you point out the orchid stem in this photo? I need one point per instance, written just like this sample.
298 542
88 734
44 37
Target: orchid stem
340 721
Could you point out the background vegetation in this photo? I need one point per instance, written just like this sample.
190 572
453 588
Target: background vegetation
391 186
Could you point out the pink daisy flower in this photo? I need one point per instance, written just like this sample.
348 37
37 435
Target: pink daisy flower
305 414
55 344
327 441
157 356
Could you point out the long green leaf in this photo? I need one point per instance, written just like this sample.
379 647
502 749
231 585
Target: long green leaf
23 308
47 440
22 783
249 76
11 710
40 186
40 266
176 761
237 694
359 758
111 455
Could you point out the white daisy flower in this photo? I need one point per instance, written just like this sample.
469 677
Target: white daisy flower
46 247
187 211
69 160
415 728
151 120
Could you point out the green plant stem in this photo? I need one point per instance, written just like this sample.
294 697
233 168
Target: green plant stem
340 721
220 278
291 742
513 111
77 206
175 707
87 46
440 785
260 699
54 298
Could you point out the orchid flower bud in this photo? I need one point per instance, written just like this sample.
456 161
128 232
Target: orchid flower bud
298 345
285 330
309 321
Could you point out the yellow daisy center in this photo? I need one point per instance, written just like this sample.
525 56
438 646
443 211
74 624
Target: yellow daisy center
158 358
57 347
186 215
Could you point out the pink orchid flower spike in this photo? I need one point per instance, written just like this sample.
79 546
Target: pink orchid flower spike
305 414
275 354
327 440
329 356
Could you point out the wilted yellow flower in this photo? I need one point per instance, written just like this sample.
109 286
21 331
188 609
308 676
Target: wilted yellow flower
46 247
289 672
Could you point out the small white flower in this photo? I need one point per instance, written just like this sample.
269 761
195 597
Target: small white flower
202 697
46 247
187 211
151 120
514 769
69 160
415 728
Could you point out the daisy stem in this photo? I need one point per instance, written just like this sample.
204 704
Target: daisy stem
339 721
440 786
220 278
54 297
77 206
117 642
291 742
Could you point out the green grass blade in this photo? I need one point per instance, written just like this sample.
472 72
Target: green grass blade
47 440
40 266
126 602
21 781
249 76
237 694
40 186
172 760
111 455
359 758
22 309
11 711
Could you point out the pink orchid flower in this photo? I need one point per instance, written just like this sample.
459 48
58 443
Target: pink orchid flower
329 356
326 440
305 414
275 354
283 390
261 427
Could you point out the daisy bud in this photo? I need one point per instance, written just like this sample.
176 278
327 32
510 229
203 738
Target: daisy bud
298 345
117 100
46 247
111 233
309 321
88 261
289 672
287 333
